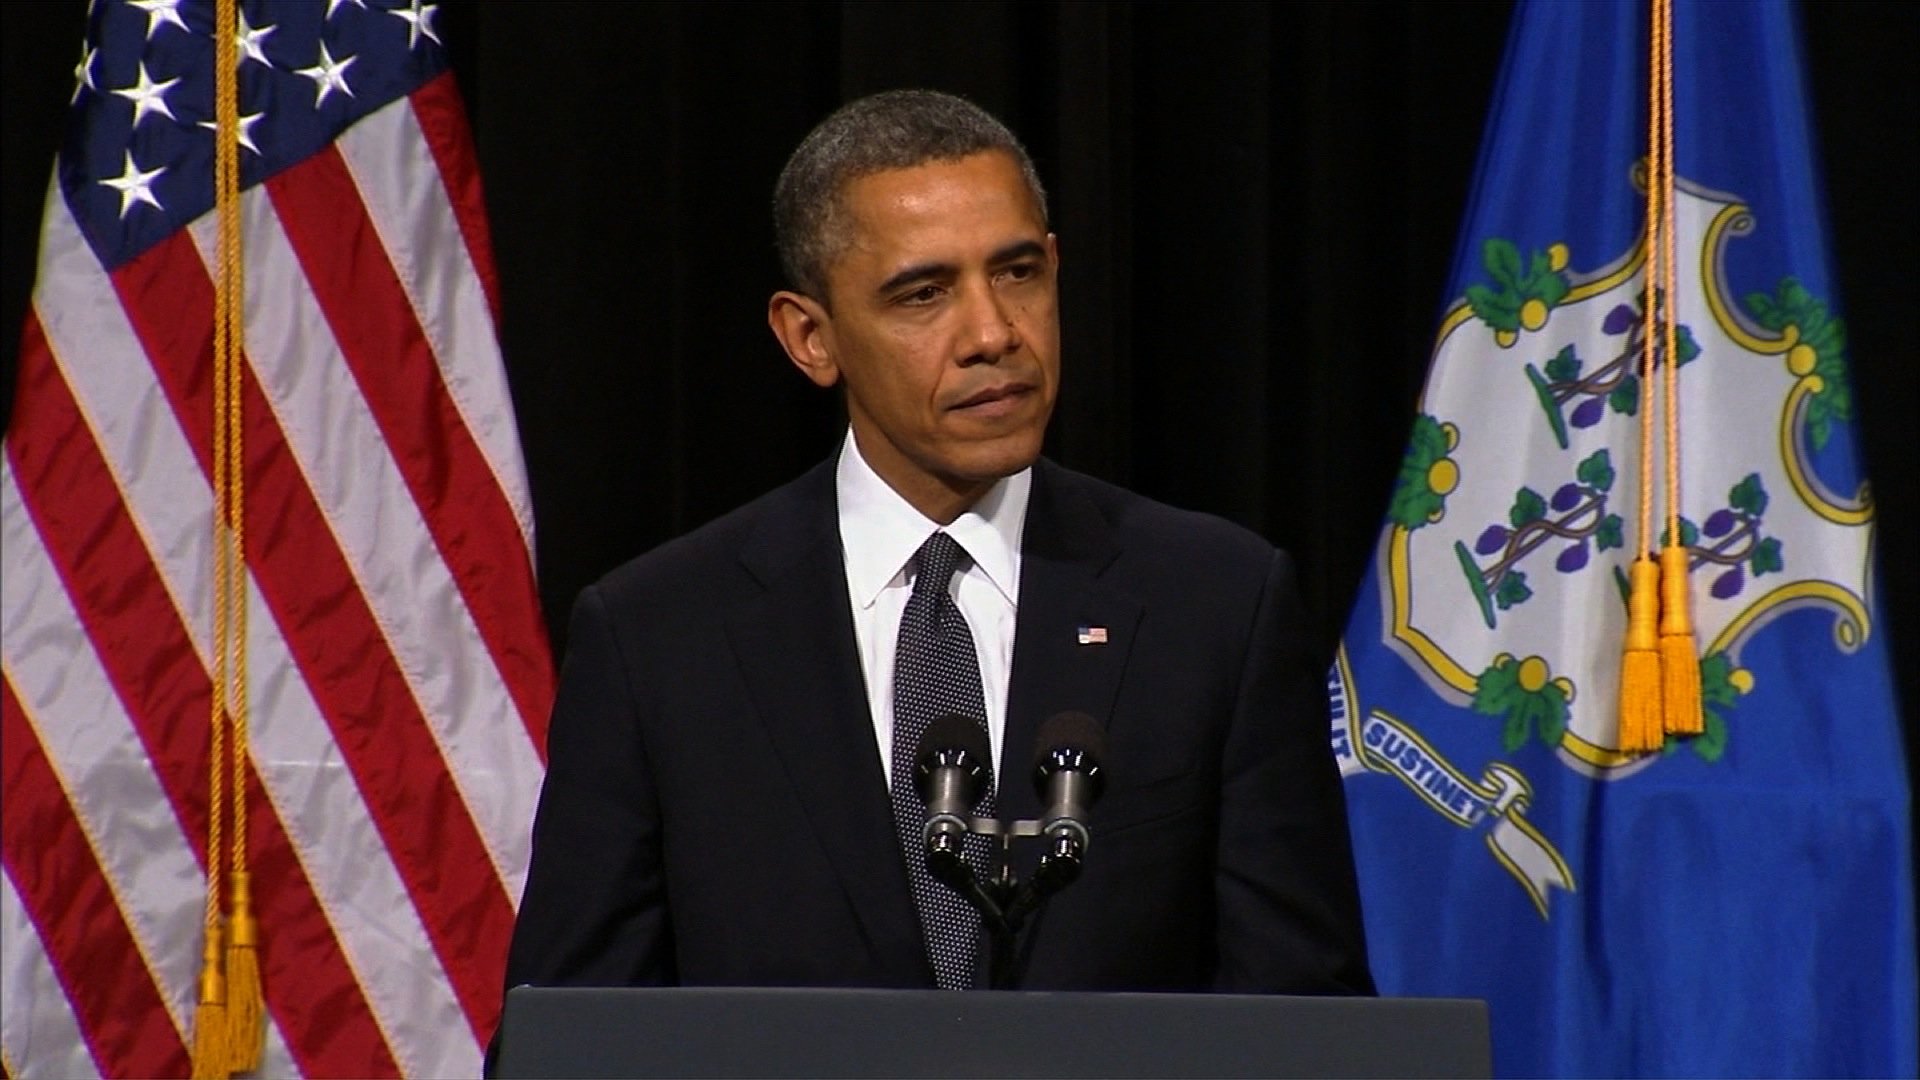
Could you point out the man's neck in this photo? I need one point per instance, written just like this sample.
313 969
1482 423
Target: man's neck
880 529
940 499
942 504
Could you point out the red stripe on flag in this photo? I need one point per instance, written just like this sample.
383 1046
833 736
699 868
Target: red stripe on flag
75 505
147 653
127 1028
457 492
443 123
335 640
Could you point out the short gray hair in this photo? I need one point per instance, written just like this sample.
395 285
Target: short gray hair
895 129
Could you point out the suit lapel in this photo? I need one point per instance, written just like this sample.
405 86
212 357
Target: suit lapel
794 642
1067 545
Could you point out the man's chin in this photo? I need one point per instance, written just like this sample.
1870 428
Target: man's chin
998 459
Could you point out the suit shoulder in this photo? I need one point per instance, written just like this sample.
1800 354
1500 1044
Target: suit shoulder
1145 523
708 561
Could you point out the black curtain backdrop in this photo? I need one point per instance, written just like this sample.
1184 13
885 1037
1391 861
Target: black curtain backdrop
1257 208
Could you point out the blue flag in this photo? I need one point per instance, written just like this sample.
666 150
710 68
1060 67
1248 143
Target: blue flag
1741 902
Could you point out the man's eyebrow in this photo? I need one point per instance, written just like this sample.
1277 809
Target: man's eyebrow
928 271
916 272
1022 249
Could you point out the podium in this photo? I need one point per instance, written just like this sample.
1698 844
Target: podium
715 1032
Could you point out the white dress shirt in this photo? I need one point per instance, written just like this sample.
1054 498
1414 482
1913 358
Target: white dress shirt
879 533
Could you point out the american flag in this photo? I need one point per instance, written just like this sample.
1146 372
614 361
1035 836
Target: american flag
400 677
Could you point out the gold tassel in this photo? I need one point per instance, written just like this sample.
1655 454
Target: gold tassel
246 1005
1679 656
210 1061
1640 720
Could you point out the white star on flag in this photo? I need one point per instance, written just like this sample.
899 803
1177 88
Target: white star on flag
419 21
333 5
161 12
135 186
328 75
148 96
83 72
246 129
249 41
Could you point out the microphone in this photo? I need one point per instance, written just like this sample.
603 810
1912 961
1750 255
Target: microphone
951 769
1068 776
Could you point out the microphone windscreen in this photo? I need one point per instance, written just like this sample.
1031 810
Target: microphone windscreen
956 732
1070 731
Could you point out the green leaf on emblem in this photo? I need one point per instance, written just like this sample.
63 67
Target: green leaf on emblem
1608 535
1503 261
1765 557
1552 708
1793 306
1597 470
1749 495
1528 506
1684 344
1497 689
1414 501
1552 288
1625 398
1524 692
1500 310
1564 367
1711 743
1717 693
1513 590
1689 534
1716 680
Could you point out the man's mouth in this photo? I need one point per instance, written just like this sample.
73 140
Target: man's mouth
994 400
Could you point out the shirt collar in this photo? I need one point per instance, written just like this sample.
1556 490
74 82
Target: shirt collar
880 531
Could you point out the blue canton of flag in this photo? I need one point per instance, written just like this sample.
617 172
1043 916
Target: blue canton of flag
1740 903
306 74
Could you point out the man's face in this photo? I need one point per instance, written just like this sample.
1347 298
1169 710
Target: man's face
944 325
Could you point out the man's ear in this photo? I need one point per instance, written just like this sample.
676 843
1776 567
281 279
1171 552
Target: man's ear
805 331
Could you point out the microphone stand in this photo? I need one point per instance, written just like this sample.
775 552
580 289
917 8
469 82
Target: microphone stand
1005 903
1066 772
948 865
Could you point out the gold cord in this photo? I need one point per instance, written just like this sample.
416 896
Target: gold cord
1681 711
227 1021
1642 713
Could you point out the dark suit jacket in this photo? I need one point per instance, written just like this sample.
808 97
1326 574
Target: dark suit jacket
715 811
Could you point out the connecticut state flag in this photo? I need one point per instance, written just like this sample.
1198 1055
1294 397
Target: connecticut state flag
1739 902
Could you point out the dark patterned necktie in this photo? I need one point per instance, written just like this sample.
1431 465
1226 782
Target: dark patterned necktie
935 672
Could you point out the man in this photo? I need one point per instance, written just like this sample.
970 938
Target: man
729 797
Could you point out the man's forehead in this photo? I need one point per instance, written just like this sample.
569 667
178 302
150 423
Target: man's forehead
983 197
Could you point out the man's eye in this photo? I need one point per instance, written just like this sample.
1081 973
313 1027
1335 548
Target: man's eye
925 294
1020 272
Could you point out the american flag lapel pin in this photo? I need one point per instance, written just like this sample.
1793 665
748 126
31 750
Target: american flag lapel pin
1091 635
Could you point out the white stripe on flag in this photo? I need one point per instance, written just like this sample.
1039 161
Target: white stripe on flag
38 1024
111 380
102 764
380 532
399 183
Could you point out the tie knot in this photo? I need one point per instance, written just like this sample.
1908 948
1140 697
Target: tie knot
934 563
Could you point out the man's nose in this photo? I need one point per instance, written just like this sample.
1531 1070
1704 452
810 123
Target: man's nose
990 333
